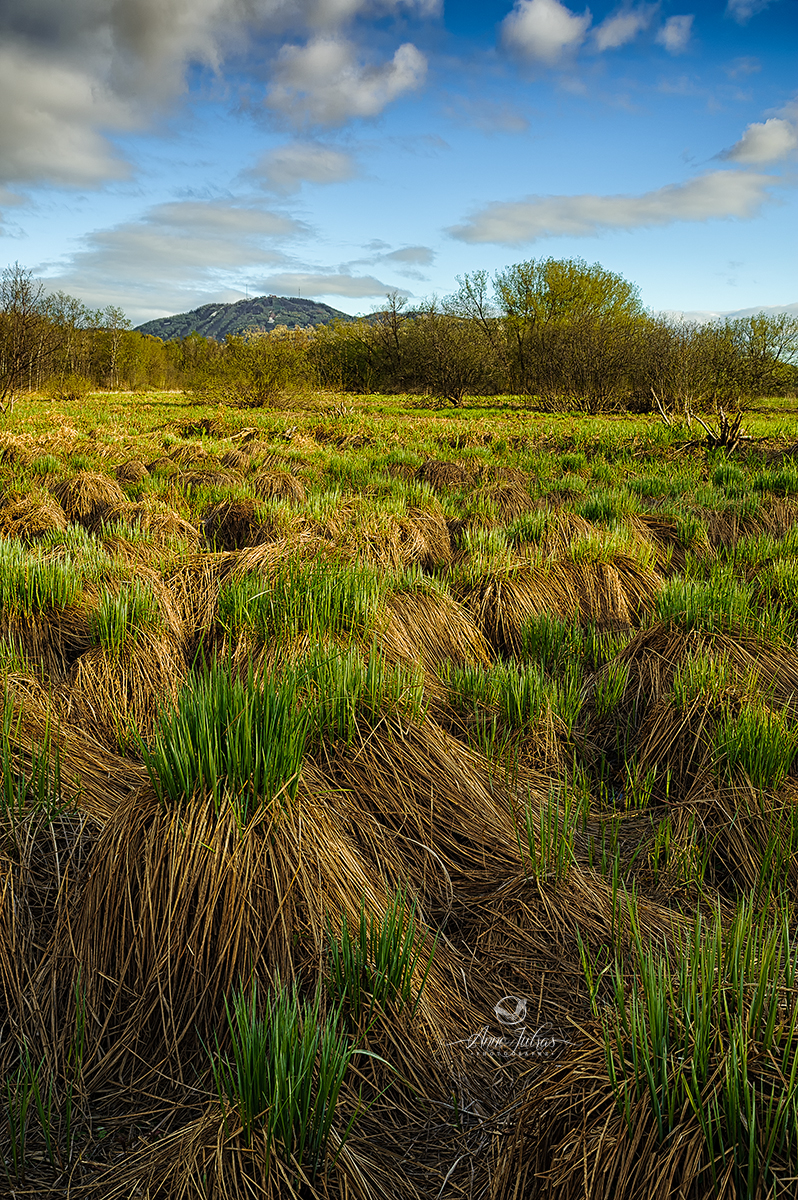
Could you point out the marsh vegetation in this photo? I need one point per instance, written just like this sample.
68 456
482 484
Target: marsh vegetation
396 802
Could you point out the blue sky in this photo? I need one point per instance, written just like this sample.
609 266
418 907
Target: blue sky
160 154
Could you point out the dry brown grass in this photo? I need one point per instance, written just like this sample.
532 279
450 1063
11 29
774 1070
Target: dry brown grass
236 524
87 496
109 693
430 628
444 476
31 516
279 485
132 471
610 595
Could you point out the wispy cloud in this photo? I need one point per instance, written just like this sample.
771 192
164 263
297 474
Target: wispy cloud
675 34
285 169
623 26
742 10
718 194
320 283
173 253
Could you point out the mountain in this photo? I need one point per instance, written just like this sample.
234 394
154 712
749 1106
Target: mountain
258 312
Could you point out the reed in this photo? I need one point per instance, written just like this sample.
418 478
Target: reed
376 966
239 741
284 1073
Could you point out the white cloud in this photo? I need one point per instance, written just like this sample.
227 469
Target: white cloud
623 27
764 142
174 253
323 83
718 194
285 169
675 33
745 65
73 74
543 30
311 284
476 112
51 111
421 256
742 10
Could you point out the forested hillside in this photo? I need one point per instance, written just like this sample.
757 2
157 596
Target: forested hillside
259 312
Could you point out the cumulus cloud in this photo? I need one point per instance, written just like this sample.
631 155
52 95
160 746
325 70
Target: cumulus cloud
285 169
175 252
74 74
323 82
675 33
742 10
357 287
764 142
52 116
622 27
718 194
543 30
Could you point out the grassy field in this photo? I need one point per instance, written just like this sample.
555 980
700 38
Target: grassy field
397 802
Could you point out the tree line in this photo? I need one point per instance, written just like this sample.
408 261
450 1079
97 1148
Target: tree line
564 334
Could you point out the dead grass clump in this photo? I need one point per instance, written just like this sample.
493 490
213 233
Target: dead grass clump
177 907
132 471
300 546
444 476
433 532
160 524
663 533
105 692
615 594
236 460
430 628
14 450
194 590
189 454
92 777
279 485
234 524
87 496
192 481
508 498
415 797
401 470
495 473
162 466
30 517
52 638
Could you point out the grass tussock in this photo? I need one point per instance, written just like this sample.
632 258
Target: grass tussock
396 802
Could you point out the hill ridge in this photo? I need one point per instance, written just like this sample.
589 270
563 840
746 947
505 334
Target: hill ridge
255 312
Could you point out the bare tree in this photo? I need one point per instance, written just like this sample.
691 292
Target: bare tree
27 335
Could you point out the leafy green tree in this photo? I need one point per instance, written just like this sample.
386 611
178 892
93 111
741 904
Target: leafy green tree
448 353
